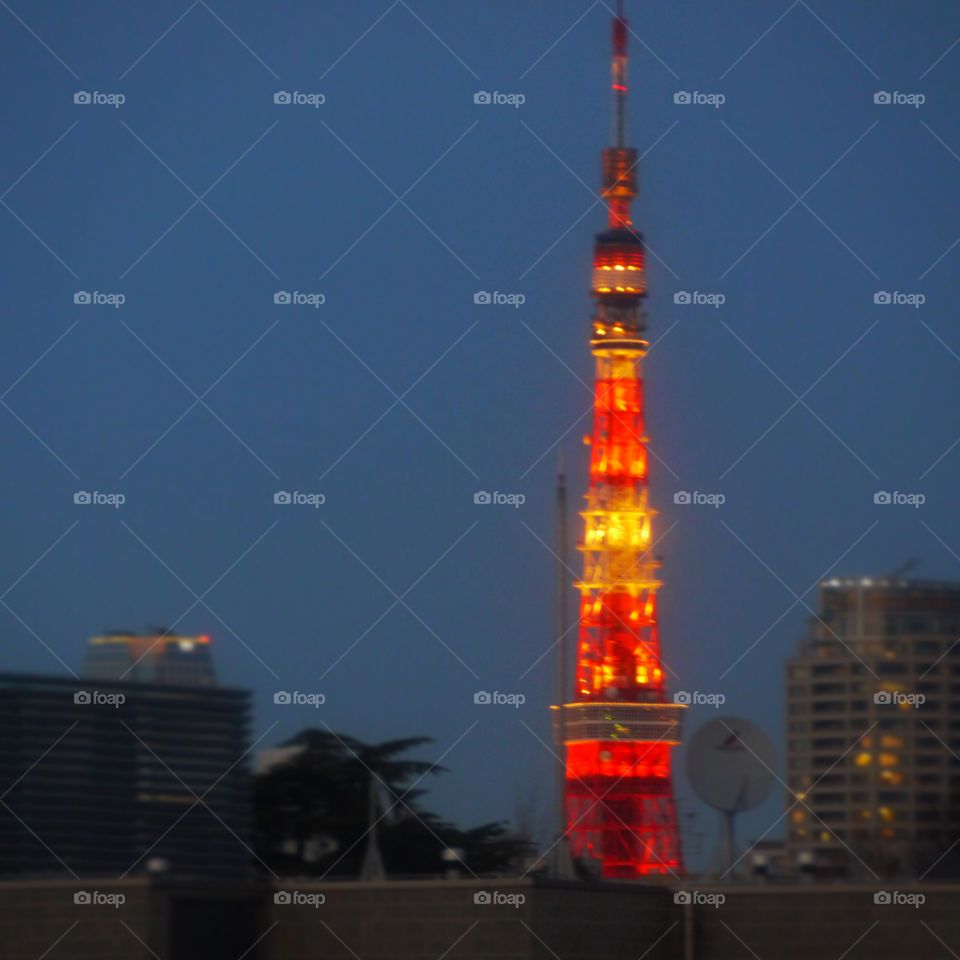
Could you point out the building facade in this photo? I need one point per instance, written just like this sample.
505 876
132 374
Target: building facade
112 778
873 731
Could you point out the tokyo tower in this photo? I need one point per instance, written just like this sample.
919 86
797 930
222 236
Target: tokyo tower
620 728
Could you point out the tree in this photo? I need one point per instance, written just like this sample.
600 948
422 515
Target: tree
312 812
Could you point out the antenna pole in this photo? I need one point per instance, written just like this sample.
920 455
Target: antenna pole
561 866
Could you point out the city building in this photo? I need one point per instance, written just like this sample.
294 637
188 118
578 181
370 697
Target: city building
157 657
620 727
104 777
873 731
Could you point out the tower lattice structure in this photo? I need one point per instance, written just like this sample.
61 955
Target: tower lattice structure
620 727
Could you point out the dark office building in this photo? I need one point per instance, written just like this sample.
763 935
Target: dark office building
113 778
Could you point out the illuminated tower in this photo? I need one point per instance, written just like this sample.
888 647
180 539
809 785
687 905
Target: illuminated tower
620 728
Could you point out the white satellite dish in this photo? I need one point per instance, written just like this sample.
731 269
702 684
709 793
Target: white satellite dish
730 767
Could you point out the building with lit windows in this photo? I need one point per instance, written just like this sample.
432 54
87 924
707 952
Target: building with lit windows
873 731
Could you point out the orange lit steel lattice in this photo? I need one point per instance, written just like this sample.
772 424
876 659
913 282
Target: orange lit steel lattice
620 727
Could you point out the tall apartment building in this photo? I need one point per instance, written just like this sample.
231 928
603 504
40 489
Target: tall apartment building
873 731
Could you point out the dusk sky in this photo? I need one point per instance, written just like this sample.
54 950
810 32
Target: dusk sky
197 199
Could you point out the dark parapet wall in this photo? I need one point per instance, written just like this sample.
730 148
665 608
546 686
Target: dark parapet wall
487 919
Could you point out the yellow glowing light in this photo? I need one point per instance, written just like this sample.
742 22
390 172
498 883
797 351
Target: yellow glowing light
888 760
886 814
863 759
